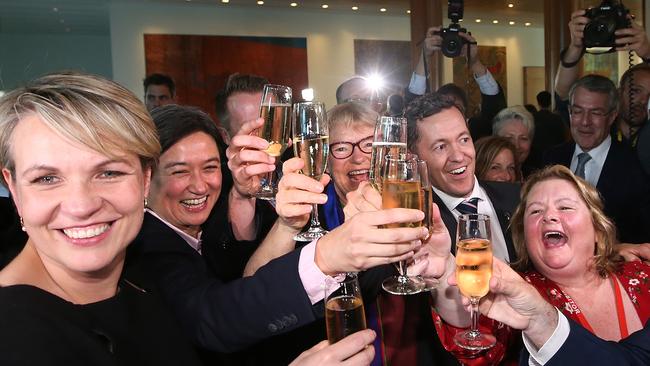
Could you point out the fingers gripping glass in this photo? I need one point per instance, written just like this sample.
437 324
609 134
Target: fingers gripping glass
311 144
473 272
275 110
401 187
345 149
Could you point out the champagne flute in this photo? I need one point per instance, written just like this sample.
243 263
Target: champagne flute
311 144
275 109
427 202
473 272
401 188
344 312
389 138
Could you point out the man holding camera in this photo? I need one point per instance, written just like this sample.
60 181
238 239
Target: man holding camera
492 97
634 88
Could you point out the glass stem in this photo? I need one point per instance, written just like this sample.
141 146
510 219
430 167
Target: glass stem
474 313
314 216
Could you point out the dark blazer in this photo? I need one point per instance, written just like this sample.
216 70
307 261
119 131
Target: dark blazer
584 348
217 316
504 198
623 186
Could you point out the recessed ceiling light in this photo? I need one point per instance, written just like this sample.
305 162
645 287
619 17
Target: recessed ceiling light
225 1
382 10
527 24
478 20
355 8
408 12
260 2
511 5
324 6
511 22
495 21
293 5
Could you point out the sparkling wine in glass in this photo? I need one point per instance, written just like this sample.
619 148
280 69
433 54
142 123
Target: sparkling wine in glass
427 202
344 312
311 144
275 110
473 272
401 187
389 139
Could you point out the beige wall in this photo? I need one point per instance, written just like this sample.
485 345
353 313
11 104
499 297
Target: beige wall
330 35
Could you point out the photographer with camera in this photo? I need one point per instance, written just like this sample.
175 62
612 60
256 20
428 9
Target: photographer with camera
588 28
492 97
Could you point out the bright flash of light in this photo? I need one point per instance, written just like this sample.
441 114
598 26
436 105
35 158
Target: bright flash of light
308 94
375 82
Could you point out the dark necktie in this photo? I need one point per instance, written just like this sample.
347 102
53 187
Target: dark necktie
583 158
469 206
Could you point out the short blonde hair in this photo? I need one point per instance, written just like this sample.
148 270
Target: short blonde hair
87 109
606 259
350 114
487 148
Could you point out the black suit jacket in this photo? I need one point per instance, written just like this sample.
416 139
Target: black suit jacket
217 316
623 186
504 198
584 348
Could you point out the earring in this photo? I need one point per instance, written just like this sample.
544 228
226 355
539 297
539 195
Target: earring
22 224
146 203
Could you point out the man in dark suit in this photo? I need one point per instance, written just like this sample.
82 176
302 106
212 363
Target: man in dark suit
438 134
549 127
517 303
611 166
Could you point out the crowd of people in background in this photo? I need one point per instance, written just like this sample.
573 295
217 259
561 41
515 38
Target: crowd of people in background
131 234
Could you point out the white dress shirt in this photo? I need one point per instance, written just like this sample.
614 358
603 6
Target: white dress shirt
499 248
552 345
594 166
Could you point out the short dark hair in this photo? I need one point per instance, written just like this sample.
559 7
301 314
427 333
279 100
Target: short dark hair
175 122
456 92
642 67
544 99
160 79
236 83
339 89
423 107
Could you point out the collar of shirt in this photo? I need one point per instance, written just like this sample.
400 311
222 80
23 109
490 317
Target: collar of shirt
195 243
451 202
594 166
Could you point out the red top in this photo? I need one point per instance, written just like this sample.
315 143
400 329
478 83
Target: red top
634 276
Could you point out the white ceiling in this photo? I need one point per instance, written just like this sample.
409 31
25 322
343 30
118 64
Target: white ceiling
91 16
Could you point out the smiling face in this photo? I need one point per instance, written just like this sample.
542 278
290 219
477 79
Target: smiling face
187 182
80 207
558 228
348 173
445 144
515 131
502 168
591 118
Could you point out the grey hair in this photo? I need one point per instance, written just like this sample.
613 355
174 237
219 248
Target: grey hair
519 113
597 84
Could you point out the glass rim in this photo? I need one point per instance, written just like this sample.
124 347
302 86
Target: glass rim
311 102
386 120
276 86
474 217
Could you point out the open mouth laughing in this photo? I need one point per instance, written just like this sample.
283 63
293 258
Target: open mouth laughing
359 175
458 171
552 239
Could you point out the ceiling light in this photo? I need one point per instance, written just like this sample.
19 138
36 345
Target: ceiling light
511 5
383 10
478 20
511 22
324 6
55 9
225 1
527 24
408 12
293 5
355 8
495 21
260 2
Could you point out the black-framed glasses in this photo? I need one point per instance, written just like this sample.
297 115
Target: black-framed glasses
344 149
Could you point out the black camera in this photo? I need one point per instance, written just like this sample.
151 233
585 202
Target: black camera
605 19
452 43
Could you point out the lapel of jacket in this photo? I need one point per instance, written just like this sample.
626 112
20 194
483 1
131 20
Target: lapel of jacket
448 218
503 215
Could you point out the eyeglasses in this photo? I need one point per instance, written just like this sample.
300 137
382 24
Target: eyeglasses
594 113
344 149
